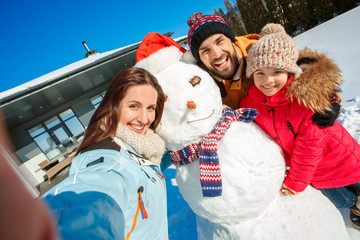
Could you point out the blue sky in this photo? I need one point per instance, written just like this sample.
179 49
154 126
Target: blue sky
38 37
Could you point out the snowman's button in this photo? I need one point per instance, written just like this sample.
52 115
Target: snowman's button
195 80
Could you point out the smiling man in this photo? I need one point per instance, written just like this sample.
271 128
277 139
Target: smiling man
218 51
223 56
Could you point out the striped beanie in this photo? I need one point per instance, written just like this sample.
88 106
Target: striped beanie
203 26
274 49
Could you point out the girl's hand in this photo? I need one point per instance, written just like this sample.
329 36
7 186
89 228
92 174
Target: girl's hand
286 191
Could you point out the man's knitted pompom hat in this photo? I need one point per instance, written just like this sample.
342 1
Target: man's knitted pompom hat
274 49
203 26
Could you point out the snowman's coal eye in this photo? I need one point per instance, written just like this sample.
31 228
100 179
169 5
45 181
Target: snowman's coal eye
195 80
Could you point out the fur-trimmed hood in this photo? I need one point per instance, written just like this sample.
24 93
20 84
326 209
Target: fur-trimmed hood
317 84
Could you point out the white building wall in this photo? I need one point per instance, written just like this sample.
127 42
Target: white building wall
30 167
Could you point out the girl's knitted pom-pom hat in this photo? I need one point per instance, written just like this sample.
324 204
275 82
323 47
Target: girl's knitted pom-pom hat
274 49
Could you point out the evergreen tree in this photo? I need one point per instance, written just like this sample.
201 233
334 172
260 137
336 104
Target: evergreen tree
274 11
294 12
303 15
311 21
323 10
234 19
260 15
249 16
222 14
246 13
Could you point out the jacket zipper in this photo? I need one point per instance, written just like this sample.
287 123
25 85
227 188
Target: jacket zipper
290 127
140 206
162 176
141 202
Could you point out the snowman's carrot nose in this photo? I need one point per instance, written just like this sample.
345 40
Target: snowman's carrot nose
191 105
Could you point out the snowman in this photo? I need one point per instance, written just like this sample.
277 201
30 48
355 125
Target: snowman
228 170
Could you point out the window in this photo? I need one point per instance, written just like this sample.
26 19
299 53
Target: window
44 141
73 123
52 122
96 100
58 134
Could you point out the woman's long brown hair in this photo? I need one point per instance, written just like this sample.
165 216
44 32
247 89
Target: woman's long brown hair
104 122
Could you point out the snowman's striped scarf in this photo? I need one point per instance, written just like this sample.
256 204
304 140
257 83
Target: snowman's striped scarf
206 150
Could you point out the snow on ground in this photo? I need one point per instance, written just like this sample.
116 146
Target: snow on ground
338 38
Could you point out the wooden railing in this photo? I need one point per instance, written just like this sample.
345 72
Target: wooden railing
53 167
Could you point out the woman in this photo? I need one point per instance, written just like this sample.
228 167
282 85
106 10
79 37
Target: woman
115 188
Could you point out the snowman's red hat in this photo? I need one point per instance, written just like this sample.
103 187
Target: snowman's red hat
156 52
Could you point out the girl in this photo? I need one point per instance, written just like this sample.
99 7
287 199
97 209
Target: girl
115 189
327 158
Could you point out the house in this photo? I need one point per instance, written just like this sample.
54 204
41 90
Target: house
46 117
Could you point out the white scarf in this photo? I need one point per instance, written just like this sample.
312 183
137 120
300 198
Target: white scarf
148 145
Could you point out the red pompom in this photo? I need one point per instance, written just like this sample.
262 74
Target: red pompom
194 17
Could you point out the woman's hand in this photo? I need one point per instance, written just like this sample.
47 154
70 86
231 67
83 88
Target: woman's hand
286 191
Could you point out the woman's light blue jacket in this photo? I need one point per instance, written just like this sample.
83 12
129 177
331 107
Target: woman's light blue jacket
103 195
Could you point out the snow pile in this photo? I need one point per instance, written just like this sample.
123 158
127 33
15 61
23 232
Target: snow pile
350 117
339 39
